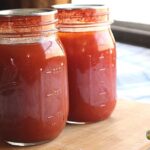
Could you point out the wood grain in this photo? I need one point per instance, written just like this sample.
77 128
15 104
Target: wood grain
124 130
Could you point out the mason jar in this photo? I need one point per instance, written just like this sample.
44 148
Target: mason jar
33 77
86 35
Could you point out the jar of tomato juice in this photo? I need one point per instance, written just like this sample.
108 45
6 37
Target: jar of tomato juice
90 46
33 77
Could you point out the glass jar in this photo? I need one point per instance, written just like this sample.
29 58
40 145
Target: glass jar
90 47
33 77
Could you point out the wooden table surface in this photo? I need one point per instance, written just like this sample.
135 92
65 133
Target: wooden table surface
124 130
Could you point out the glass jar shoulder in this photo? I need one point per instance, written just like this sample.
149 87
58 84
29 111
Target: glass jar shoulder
89 41
53 48
49 47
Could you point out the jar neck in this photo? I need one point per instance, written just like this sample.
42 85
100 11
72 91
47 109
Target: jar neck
27 34
84 28
28 40
19 28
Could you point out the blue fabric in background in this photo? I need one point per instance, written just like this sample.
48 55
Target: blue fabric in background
133 72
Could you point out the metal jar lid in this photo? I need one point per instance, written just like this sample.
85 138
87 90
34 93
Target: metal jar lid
79 6
82 13
27 20
27 12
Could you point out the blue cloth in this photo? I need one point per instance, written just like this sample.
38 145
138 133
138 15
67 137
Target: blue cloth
133 72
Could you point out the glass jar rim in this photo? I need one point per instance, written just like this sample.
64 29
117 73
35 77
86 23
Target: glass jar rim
79 6
27 12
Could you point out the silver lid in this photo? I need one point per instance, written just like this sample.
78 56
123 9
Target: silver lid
79 6
27 12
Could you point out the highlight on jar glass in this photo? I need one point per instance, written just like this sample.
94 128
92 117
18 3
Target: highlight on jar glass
90 47
33 77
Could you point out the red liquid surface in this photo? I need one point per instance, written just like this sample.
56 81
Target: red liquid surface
92 74
33 92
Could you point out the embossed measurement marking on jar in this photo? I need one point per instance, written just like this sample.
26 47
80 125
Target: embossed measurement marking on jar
54 92
53 120
102 58
102 93
99 65
102 69
56 70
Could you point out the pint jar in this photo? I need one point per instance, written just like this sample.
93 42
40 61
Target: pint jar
90 47
33 77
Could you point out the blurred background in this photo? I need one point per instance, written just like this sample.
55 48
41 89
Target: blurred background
9 4
128 10
131 28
